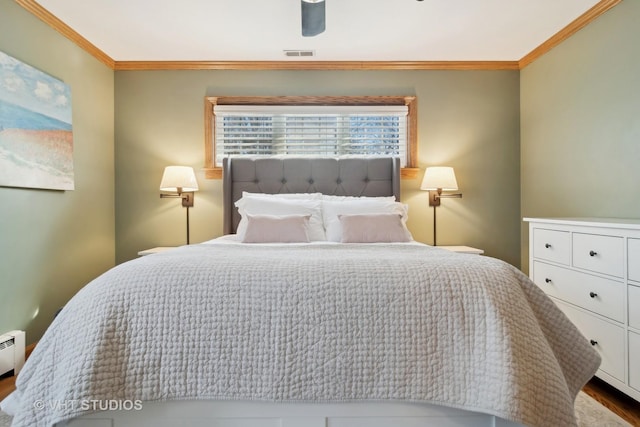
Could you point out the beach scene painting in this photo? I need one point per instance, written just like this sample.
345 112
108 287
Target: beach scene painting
36 138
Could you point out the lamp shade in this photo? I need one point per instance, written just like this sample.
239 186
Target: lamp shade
181 177
439 177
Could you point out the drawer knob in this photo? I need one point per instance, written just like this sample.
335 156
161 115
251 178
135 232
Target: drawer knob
593 294
547 245
593 253
593 342
547 280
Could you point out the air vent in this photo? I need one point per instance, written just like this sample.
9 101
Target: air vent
299 53
7 343
11 352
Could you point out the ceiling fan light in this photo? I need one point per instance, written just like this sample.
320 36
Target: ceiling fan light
313 17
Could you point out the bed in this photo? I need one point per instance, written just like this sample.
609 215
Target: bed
307 333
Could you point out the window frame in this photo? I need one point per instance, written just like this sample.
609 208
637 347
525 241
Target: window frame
214 172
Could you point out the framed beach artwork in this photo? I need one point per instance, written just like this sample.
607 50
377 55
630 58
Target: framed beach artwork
36 138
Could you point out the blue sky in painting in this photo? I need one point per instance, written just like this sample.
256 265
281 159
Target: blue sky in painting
30 88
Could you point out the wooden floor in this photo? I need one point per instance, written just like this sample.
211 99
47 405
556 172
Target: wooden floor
6 386
619 403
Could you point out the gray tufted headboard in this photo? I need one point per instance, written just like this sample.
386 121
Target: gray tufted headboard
342 177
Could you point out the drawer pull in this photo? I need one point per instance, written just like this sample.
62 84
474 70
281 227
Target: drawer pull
547 245
593 342
547 280
593 253
593 294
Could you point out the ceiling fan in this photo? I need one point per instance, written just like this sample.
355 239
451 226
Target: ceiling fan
313 17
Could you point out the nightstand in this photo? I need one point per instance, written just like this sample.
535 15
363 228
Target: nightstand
155 250
463 249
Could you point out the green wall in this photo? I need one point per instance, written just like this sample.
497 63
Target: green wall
559 138
466 119
580 114
129 125
54 242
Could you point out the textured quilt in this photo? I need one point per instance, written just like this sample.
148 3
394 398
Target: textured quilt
313 323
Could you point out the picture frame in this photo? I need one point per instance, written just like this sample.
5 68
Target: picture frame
36 132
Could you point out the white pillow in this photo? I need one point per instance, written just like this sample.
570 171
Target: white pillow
363 205
277 206
307 196
277 229
374 228
331 198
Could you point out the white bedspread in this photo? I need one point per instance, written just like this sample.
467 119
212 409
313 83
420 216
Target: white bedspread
313 323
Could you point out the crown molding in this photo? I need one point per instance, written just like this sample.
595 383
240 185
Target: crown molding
315 65
583 20
577 24
55 23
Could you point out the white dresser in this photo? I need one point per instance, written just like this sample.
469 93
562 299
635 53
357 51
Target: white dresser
590 267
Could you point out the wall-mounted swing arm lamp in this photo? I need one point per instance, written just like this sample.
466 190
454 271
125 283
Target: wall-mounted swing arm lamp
180 182
438 179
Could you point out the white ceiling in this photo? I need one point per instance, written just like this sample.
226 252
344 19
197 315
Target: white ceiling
356 30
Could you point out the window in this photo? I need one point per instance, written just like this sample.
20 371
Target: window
310 126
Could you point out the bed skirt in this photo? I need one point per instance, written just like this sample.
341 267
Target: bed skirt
190 413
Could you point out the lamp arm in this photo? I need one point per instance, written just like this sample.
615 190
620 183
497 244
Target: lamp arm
187 197
434 200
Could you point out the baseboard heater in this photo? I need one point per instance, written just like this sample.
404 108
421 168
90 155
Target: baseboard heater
12 346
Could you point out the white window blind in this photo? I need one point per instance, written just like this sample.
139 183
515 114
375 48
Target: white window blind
328 131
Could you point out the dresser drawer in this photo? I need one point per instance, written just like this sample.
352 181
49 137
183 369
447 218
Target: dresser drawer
552 245
602 254
634 307
634 360
602 296
605 337
633 259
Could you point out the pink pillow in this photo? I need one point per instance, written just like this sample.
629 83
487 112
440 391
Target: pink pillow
331 209
250 205
374 228
277 229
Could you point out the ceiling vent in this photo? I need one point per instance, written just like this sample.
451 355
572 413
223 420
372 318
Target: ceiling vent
299 53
